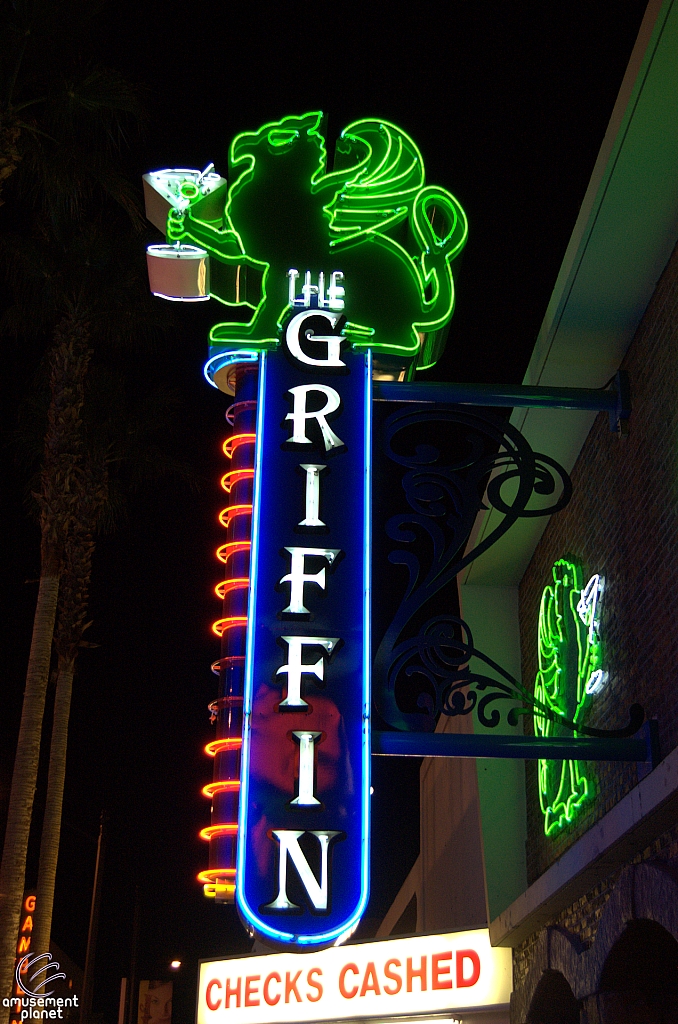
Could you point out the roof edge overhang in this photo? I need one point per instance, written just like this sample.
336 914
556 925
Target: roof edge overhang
624 235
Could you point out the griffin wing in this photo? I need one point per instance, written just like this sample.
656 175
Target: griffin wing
387 173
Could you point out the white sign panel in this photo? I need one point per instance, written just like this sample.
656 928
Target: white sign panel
421 975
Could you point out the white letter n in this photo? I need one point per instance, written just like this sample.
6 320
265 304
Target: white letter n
316 891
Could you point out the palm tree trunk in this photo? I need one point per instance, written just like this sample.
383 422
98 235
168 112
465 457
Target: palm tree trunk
51 824
69 361
12 870
91 491
9 152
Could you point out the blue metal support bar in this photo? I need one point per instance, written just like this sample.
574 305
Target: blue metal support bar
615 401
579 748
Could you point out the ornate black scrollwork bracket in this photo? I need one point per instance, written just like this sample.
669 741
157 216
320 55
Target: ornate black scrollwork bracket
423 663
440 656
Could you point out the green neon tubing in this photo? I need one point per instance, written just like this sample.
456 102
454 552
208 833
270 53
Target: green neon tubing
372 217
570 657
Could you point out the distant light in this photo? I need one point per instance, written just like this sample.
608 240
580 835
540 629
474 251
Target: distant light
175 965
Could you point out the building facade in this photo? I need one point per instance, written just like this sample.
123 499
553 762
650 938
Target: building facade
582 880
622 520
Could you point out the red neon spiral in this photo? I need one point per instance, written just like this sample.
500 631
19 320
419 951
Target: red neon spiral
219 879
227 743
232 622
229 513
226 828
234 476
226 586
232 548
236 441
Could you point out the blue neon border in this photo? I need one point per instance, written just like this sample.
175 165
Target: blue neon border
337 935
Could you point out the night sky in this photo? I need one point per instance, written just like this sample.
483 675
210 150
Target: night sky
509 104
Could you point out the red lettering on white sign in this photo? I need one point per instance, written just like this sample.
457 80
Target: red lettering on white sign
271 1000
251 991
291 986
370 982
213 1004
342 981
314 984
438 972
420 973
393 977
232 992
441 972
465 981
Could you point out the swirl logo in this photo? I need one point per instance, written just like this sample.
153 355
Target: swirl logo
50 971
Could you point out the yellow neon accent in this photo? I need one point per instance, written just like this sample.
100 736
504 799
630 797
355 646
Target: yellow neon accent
228 828
230 513
227 743
216 875
232 622
225 786
231 547
236 441
226 586
234 476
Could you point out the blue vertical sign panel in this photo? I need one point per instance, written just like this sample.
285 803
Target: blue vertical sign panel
303 852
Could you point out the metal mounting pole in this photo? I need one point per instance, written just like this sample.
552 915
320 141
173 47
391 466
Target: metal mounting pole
132 1001
577 748
88 980
615 401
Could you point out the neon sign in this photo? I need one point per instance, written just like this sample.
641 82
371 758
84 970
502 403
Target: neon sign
302 875
430 975
570 659
326 278
286 219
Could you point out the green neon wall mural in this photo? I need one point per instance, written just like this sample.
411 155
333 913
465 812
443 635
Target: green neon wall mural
370 229
570 672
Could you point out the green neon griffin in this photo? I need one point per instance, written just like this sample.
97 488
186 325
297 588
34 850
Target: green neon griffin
570 657
372 217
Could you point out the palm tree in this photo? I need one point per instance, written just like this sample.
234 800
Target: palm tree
68 637
78 286
62 119
62 123
128 445
58 481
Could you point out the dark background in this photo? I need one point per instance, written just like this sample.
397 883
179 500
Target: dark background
509 104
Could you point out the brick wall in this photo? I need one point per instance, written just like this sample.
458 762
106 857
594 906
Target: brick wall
582 917
622 522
